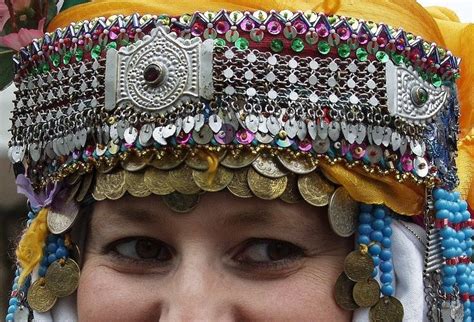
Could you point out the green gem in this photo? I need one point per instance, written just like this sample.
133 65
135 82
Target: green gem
361 54
276 45
79 54
112 44
219 42
457 76
397 58
297 45
44 67
67 57
323 47
436 80
55 59
242 43
96 51
344 50
382 56
34 71
124 42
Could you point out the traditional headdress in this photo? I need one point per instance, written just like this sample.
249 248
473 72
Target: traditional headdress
316 104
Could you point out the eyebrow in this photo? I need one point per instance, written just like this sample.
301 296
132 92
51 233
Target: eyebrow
121 215
260 216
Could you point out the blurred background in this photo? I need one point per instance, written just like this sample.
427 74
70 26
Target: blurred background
13 207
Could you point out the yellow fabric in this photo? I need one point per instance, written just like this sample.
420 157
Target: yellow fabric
30 248
436 24
404 198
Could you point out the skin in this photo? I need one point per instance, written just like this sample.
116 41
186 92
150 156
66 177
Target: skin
229 259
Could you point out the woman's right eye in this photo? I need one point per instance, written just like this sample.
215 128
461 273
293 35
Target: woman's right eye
145 249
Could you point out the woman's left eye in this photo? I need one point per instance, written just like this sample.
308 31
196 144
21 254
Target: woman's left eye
141 248
267 251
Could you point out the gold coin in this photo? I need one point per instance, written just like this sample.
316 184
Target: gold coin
343 293
106 165
39 297
342 213
135 162
181 180
358 266
198 160
366 293
238 186
314 189
135 184
269 167
110 186
181 203
387 309
85 185
291 193
169 159
239 158
62 277
211 183
62 219
157 181
301 164
264 187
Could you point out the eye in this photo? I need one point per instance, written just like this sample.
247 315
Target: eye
144 249
268 251
419 96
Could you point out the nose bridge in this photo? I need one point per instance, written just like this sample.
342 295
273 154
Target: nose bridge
195 291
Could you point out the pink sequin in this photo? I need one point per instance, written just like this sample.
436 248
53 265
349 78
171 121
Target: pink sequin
222 27
300 27
407 163
247 24
344 33
305 145
183 138
244 137
198 28
274 27
363 37
358 151
322 30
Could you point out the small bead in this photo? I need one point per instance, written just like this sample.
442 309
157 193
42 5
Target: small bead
386 267
449 280
375 249
52 247
363 240
276 45
387 289
242 43
42 271
365 218
361 54
379 213
13 301
323 47
365 229
386 242
376 236
385 255
51 258
387 231
9 317
449 270
344 50
378 224
386 278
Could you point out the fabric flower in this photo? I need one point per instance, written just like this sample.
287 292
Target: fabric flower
4 14
37 200
23 37
19 5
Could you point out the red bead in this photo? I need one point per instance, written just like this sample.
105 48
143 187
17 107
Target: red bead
465 297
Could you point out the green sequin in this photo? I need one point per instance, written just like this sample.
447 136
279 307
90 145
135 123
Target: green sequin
436 80
55 59
67 57
297 45
382 56
323 47
96 51
79 54
44 68
276 45
219 42
397 58
361 54
344 50
112 44
242 43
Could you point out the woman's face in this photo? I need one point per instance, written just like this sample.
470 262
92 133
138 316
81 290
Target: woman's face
230 259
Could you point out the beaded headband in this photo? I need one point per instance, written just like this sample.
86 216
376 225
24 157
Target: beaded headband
331 87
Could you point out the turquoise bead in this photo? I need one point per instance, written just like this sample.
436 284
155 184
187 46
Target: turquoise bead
365 208
9 317
386 267
387 289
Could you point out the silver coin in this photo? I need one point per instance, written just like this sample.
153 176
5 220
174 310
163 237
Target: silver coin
146 132
334 130
269 167
264 138
21 314
321 145
215 123
204 135
342 213
421 167
61 220
130 135
188 124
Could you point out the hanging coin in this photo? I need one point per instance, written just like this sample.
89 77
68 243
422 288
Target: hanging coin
181 203
135 184
387 309
198 162
343 293
109 186
106 165
358 265
85 185
135 162
62 277
238 186
342 213
239 158
166 160
264 187
213 182
39 297
301 164
269 167
157 181
291 193
60 220
366 293
315 189
180 180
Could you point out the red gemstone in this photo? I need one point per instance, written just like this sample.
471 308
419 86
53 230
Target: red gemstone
198 28
222 27
382 41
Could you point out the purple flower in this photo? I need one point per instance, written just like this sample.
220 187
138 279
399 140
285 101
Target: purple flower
37 200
